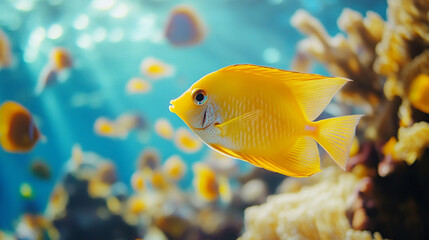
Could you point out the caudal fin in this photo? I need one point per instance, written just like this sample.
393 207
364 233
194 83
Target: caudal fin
336 135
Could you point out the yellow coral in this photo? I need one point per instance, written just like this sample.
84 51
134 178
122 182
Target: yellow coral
315 212
412 141
350 57
362 235
419 93
408 21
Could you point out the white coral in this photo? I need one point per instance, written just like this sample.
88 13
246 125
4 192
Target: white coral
315 212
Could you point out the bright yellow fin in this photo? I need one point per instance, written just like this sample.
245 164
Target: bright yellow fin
336 135
301 160
235 122
313 92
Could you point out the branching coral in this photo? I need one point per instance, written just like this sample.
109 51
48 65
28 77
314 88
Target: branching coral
412 142
362 235
352 57
389 65
403 53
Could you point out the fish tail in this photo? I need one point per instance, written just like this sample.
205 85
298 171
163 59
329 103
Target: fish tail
336 135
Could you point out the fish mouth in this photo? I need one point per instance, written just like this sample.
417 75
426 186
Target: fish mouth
171 107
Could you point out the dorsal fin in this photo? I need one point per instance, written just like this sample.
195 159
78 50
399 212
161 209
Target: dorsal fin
312 91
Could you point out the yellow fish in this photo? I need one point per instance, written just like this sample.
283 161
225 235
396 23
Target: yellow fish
265 116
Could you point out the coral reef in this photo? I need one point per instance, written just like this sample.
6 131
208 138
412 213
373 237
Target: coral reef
315 212
77 211
388 62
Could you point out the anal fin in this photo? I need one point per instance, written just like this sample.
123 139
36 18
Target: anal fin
301 160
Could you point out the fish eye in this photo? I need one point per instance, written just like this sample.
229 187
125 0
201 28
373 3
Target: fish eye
199 96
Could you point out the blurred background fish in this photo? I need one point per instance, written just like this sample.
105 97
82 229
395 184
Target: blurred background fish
18 131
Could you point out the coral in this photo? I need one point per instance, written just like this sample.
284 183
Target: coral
362 235
315 212
71 201
351 58
388 62
412 143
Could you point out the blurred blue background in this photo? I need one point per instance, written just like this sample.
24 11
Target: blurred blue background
239 31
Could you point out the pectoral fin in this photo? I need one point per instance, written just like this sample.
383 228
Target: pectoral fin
235 123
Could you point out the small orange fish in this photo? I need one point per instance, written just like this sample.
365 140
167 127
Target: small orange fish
156 69
5 51
138 86
174 167
209 185
60 59
265 116
55 70
18 133
419 93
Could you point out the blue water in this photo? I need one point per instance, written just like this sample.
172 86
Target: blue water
238 32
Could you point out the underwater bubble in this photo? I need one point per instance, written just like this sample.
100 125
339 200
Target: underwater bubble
116 35
55 31
146 23
81 22
271 55
120 11
99 34
31 54
157 37
37 36
24 5
84 41
103 4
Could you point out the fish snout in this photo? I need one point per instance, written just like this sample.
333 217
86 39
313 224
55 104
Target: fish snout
171 107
